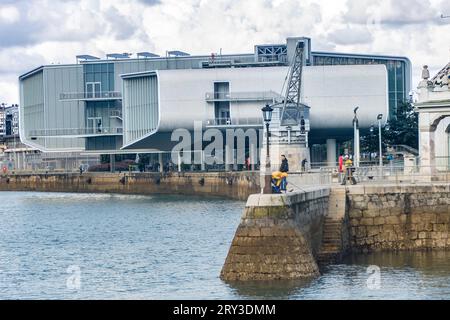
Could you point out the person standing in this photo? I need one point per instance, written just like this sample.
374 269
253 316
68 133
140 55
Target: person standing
341 164
284 164
304 162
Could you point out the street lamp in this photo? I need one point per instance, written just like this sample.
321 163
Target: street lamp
267 116
356 137
379 118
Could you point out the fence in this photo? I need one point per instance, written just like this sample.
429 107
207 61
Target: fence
368 173
389 174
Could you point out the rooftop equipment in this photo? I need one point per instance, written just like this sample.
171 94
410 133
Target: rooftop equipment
146 55
118 55
177 53
86 57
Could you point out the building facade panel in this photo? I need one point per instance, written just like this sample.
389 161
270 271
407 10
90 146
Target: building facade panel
31 108
330 90
140 107
63 114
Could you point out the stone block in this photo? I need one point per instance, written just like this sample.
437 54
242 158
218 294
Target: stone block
443 218
422 235
355 213
441 227
418 243
375 190
356 190
393 220
363 205
366 221
373 231
379 221
413 235
396 210
403 218
440 209
253 200
371 213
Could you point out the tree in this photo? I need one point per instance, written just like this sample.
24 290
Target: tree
401 129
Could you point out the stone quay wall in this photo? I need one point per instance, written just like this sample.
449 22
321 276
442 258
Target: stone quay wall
233 185
405 217
278 238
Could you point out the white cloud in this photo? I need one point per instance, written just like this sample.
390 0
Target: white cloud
39 32
9 14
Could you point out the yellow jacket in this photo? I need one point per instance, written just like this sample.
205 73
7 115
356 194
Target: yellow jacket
348 163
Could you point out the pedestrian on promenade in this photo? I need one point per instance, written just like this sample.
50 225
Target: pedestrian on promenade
284 164
304 162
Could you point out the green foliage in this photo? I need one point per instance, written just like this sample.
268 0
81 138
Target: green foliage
403 129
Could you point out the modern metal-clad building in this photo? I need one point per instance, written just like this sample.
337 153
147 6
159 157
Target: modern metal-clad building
159 102
123 103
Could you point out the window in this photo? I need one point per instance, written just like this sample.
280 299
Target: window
93 89
102 73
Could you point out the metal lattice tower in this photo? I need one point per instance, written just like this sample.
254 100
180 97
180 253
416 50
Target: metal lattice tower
293 110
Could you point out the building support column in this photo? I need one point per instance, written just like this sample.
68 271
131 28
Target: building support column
203 165
331 152
427 153
160 160
229 158
426 146
112 163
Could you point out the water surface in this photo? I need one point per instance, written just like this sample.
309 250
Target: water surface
169 247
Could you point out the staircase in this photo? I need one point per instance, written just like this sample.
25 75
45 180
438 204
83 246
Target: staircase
334 233
331 250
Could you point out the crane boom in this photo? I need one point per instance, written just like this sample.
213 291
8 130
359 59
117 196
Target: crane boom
293 110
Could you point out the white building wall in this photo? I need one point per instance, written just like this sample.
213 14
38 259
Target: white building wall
332 92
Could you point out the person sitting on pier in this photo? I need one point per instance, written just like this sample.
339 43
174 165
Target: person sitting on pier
279 182
279 178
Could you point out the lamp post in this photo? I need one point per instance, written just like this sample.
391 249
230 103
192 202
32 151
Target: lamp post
356 137
267 116
379 118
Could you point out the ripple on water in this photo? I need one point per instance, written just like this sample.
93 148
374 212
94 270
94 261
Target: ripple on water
169 247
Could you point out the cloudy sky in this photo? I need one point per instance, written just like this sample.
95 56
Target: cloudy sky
37 32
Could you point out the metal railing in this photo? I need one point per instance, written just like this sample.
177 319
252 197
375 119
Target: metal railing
258 122
390 174
115 114
75 132
103 95
241 96
404 149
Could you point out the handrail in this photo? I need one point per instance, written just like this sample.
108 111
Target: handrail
241 96
235 122
75 132
102 95
401 147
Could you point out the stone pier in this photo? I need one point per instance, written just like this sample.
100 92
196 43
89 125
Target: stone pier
279 237
287 237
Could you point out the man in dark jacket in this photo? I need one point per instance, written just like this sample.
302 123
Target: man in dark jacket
284 164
